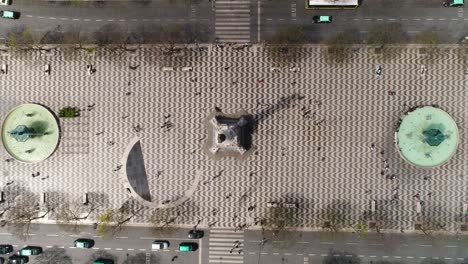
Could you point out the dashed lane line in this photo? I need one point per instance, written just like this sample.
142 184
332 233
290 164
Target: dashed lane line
52 18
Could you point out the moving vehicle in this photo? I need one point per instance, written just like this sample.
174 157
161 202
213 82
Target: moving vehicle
188 246
30 251
195 234
454 3
160 244
5 249
322 19
5 2
103 261
17 259
9 14
84 243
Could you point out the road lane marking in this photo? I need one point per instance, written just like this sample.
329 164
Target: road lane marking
107 248
52 235
450 246
5 234
75 19
87 19
351 243
118 249
142 249
98 236
130 249
302 242
52 18
327 243
122 237
29 16
410 257
95 248
425 245
397 256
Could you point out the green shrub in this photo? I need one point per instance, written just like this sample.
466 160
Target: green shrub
69 112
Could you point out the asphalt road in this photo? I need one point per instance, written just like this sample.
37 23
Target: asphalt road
415 16
295 247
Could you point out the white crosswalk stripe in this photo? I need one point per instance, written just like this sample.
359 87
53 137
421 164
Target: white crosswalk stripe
226 246
233 21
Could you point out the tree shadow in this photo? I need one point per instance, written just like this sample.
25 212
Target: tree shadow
282 103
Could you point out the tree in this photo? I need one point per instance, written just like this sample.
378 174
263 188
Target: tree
391 33
54 36
101 254
387 34
54 255
285 44
361 228
277 221
339 47
113 220
69 112
141 258
20 38
20 211
162 221
71 215
433 261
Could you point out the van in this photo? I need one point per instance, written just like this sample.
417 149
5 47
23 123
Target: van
160 244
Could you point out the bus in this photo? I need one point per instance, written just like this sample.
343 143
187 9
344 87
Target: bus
332 4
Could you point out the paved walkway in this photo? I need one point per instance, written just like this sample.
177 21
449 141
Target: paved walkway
314 150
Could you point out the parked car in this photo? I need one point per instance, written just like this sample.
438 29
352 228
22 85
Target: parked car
17 259
322 19
188 246
2 260
454 3
30 251
160 244
5 249
9 14
84 243
5 2
103 261
195 234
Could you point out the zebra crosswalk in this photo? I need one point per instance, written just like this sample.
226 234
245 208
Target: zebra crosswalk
232 23
226 246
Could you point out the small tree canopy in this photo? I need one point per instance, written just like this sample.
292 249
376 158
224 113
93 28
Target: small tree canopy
54 255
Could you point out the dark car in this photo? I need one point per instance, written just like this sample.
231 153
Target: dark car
2 260
188 246
322 19
84 243
5 249
17 259
30 251
195 234
103 261
9 14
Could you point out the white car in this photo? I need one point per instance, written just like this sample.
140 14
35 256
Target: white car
160 244
5 2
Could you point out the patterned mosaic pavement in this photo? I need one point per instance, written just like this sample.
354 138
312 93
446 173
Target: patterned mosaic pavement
313 144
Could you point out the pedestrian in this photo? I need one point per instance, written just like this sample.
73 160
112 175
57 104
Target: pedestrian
110 143
240 251
429 194
372 146
128 93
251 208
293 82
259 81
99 133
226 68
401 230
45 178
174 258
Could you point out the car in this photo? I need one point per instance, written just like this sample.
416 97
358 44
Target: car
2 260
195 234
9 14
160 244
5 249
17 259
30 251
322 19
454 3
103 261
84 243
5 2
188 246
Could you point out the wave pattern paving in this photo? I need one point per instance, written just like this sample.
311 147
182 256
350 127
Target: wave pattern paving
314 150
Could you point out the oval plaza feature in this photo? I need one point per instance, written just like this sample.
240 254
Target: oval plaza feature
427 136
